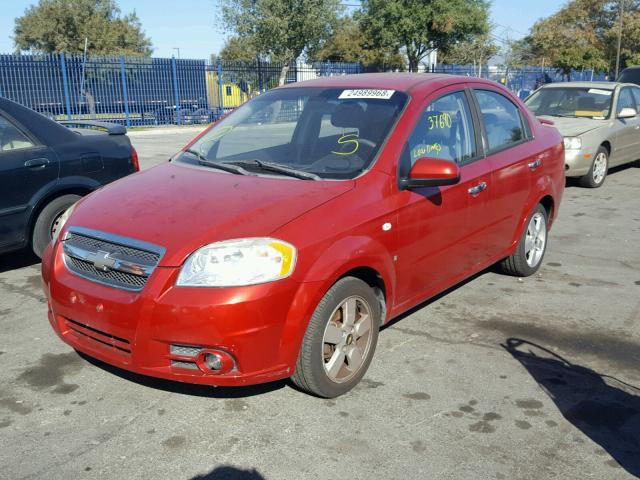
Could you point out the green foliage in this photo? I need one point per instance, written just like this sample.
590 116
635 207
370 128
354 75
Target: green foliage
478 50
584 34
281 30
420 26
54 26
350 43
238 49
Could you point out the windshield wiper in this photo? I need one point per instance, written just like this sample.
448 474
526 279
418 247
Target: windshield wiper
202 160
276 167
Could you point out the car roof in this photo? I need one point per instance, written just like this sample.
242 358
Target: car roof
600 85
405 82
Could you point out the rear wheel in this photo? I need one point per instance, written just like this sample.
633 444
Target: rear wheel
48 222
598 171
340 340
532 246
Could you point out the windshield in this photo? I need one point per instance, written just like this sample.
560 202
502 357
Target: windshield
630 75
309 133
571 102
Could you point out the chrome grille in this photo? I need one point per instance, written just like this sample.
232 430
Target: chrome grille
181 364
109 259
94 244
185 350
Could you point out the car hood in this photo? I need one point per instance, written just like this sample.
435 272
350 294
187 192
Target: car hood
572 127
182 208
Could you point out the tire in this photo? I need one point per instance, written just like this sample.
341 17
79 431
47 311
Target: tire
42 229
525 262
328 342
598 171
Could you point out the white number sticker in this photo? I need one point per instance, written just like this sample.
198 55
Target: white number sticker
367 93
597 91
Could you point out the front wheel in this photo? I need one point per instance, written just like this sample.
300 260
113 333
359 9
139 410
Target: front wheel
598 171
532 246
48 222
340 340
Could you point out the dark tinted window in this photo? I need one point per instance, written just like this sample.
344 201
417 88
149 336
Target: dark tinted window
11 138
626 100
502 120
630 75
445 130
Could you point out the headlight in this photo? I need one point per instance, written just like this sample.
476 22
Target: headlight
60 221
572 143
231 263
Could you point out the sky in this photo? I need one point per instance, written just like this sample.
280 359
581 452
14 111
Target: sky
192 25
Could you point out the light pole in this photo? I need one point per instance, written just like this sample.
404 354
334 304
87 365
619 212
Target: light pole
178 50
620 14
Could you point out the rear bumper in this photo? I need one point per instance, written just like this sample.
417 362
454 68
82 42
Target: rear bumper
259 326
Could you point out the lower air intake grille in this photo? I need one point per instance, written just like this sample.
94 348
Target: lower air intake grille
106 339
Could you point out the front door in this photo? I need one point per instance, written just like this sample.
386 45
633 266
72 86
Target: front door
25 168
627 141
436 225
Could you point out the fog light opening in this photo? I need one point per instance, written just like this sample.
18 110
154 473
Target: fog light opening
213 361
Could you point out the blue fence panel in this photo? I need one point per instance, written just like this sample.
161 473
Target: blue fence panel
160 91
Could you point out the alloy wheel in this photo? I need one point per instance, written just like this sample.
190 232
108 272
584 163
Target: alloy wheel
347 339
535 240
599 168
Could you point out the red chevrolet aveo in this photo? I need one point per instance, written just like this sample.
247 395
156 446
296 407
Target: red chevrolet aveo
280 240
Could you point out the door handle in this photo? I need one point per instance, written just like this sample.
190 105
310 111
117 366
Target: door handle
36 163
478 188
535 164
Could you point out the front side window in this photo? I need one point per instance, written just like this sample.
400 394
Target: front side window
502 120
325 133
11 138
444 130
625 100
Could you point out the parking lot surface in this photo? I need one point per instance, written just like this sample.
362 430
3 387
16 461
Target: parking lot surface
499 378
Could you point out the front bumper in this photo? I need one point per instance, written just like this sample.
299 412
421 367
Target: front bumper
577 162
259 326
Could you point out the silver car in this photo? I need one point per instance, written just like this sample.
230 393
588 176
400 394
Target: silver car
599 122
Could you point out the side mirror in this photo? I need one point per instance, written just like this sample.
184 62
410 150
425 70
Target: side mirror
431 172
627 113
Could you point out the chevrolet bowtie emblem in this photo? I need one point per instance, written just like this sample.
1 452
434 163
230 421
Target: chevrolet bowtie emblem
103 261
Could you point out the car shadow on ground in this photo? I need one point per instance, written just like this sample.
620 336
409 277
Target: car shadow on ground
190 389
227 472
604 408
15 260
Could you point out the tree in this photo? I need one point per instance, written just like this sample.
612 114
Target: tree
420 26
282 30
573 38
54 26
239 50
349 43
477 51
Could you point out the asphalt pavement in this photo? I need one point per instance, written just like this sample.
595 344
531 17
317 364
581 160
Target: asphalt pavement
498 378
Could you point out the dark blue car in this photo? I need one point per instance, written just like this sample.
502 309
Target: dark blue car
46 167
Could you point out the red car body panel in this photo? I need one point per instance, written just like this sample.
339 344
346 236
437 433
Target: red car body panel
437 237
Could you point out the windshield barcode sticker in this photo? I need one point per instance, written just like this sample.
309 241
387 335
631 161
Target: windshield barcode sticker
597 91
367 93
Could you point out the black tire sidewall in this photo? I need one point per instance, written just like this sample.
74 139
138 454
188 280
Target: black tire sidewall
42 227
313 342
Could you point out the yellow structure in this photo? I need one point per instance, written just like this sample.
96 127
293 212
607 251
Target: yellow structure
232 96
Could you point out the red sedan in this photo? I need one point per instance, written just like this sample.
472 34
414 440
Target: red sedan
280 240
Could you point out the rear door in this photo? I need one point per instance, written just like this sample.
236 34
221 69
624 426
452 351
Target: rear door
25 167
515 161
